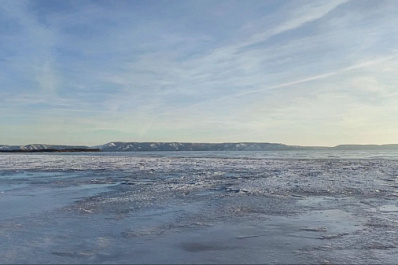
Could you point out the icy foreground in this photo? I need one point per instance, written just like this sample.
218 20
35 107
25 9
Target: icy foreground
176 209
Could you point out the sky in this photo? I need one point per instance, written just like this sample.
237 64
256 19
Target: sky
321 72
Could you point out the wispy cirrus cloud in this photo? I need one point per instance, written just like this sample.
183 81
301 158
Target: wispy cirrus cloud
199 71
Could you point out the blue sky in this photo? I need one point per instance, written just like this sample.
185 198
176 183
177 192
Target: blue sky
293 72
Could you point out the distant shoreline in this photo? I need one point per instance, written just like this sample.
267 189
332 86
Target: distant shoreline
185 146
51 151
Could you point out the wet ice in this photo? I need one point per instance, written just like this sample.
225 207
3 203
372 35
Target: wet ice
123 208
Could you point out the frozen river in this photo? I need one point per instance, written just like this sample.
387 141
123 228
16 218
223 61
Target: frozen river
182 207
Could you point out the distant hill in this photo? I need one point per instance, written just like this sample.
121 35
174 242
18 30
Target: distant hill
45 148
366 147
240 146
178 146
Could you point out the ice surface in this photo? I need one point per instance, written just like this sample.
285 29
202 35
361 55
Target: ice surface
182 208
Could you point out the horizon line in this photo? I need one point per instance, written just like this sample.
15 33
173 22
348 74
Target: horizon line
185 142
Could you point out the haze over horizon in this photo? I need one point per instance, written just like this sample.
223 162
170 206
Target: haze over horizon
311 73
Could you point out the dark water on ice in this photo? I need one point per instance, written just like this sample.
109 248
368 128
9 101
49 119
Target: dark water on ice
199 207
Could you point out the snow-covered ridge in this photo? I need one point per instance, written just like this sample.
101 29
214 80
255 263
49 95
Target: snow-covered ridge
178 146
38 147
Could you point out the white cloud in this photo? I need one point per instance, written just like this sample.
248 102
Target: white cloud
297 14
